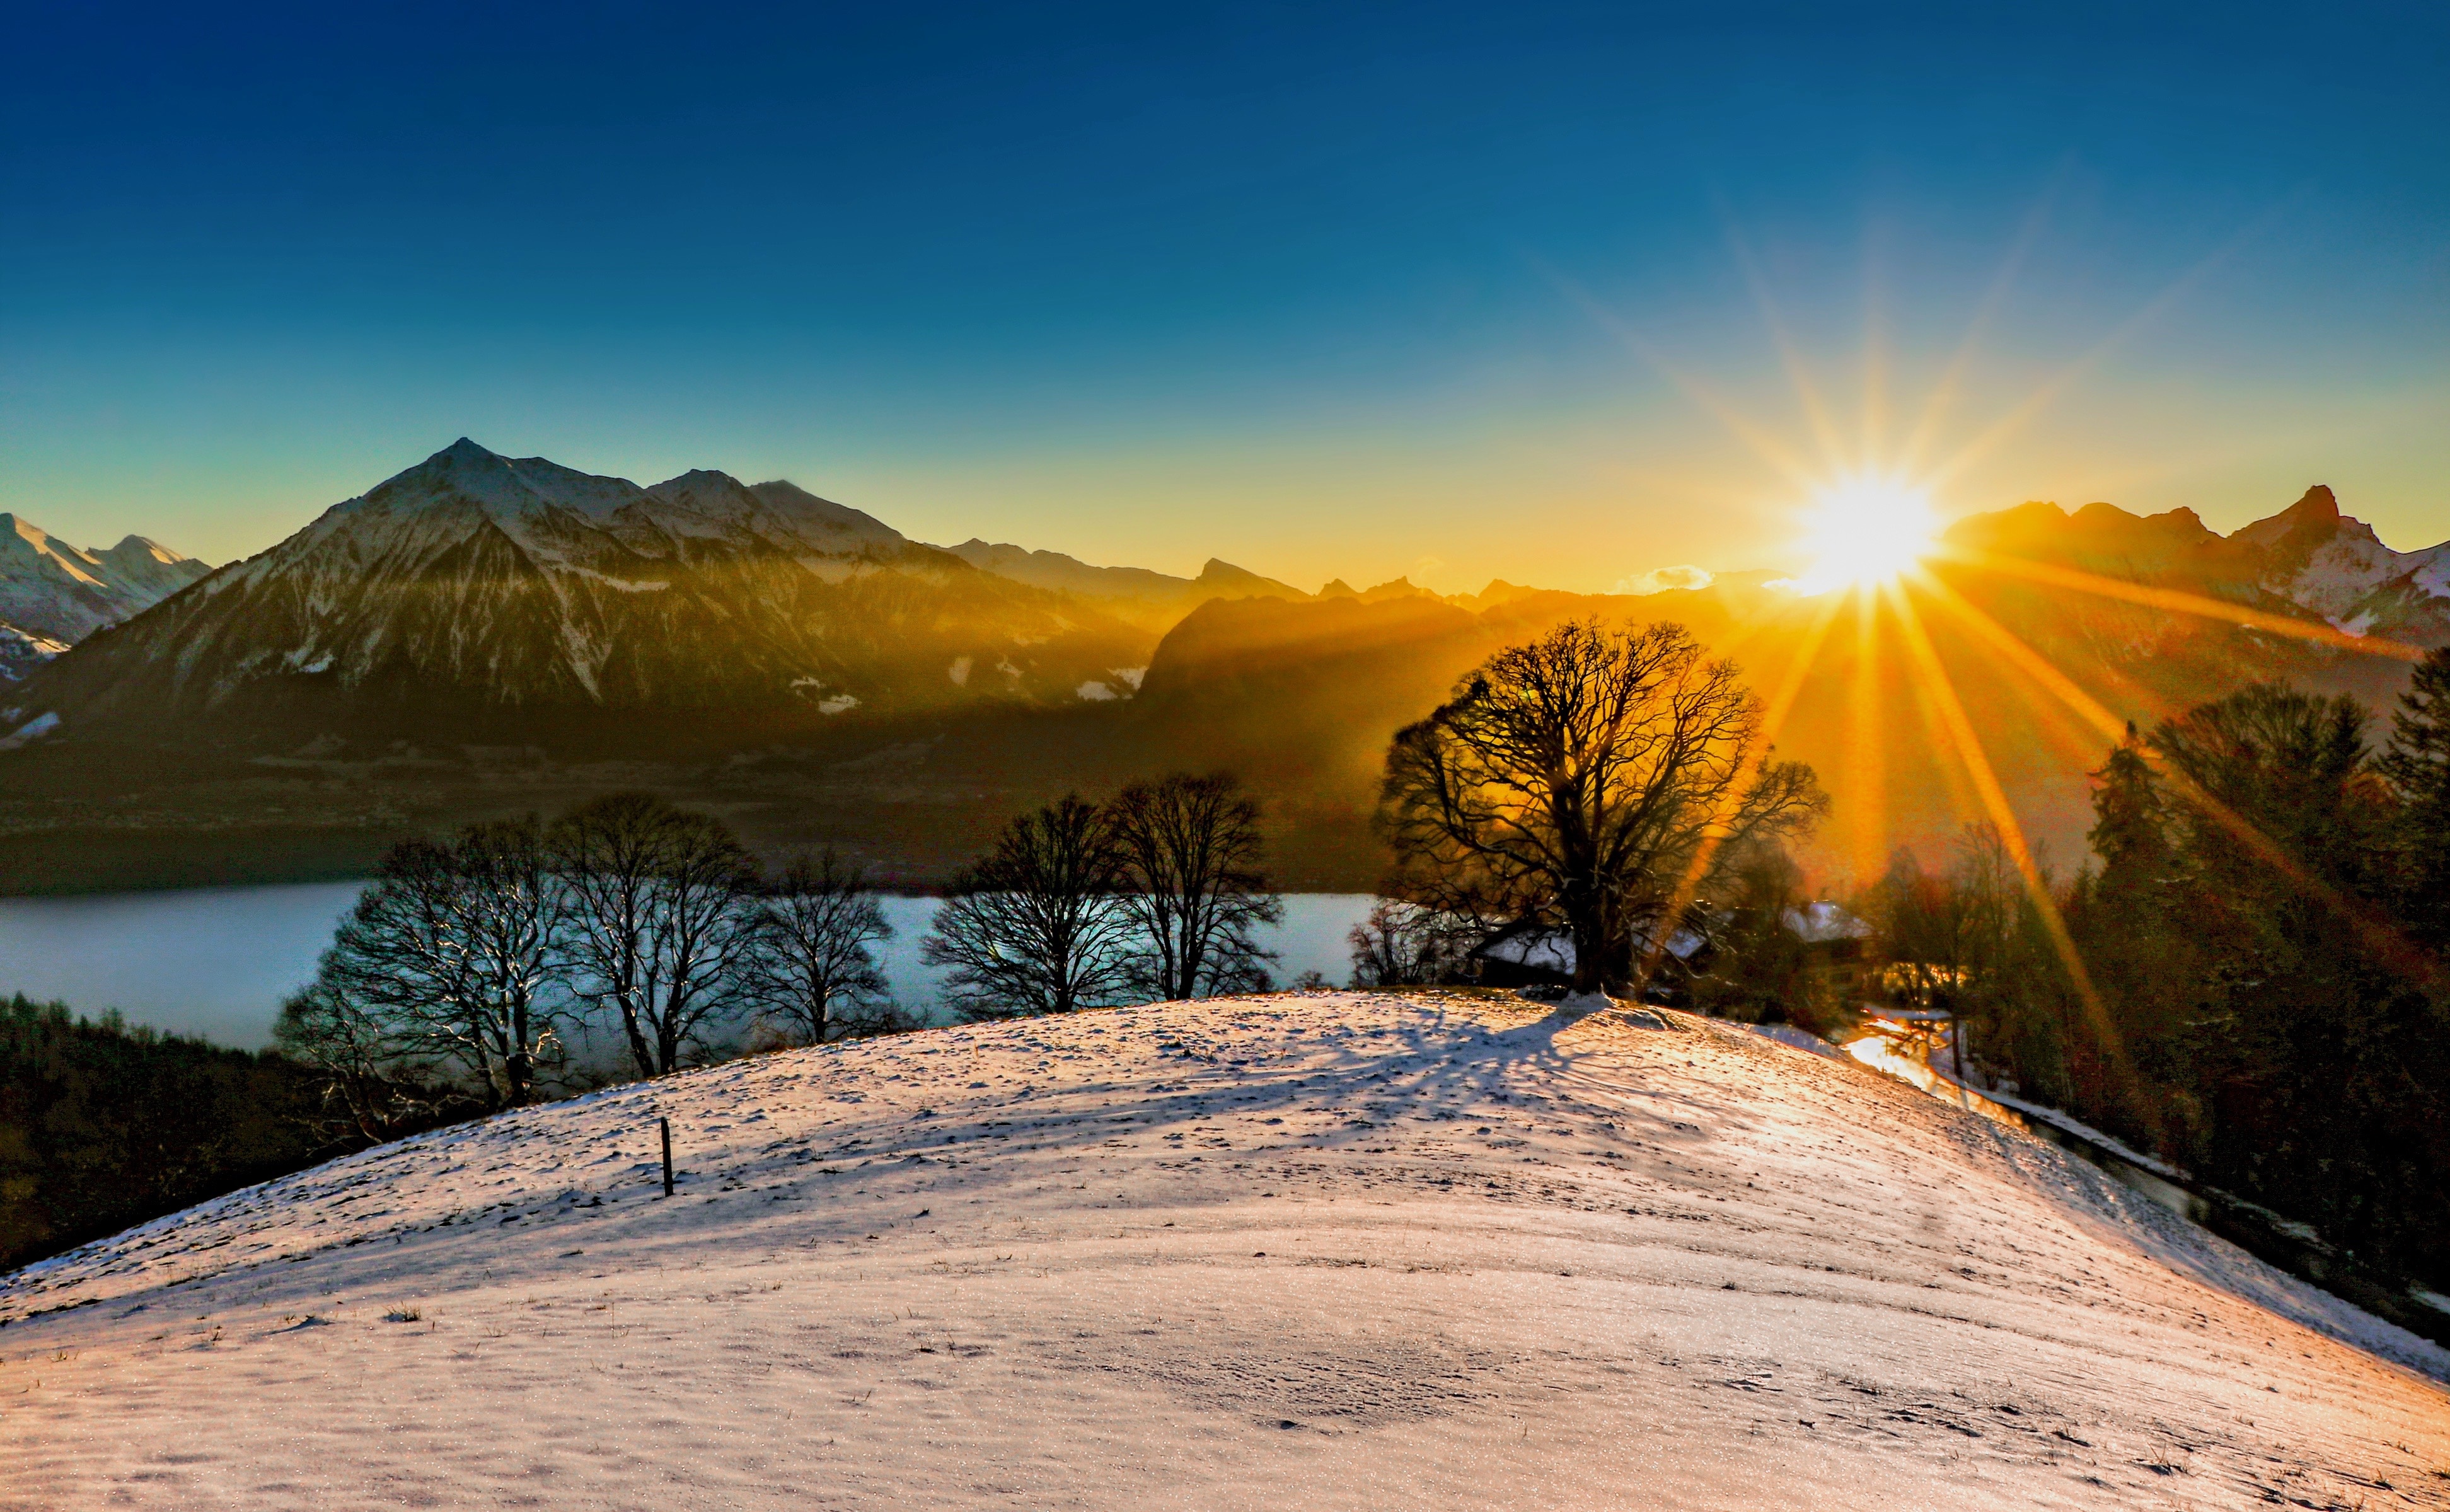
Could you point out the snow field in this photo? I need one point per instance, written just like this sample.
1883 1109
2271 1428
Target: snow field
1305 1250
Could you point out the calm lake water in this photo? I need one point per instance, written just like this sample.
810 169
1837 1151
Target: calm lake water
216 961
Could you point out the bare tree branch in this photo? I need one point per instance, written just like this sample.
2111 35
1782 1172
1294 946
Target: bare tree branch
1574 780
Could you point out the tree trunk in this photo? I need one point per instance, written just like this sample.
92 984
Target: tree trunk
517 1069
640 1050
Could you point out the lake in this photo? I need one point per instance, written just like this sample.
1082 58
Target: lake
216 961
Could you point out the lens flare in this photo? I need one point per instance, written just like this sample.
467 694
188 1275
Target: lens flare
1864 531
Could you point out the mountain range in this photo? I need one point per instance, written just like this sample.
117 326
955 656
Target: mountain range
474 586
2308 559
482 633
54 594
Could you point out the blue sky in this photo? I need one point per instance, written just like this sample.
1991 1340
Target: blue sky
1351 291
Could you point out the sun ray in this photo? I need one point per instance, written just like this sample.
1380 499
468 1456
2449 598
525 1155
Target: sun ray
1876 362
2178 601
2069 711
2378 935
1774 714
1943 393
1866 765
2059 382
2011 833
1762 443
1938 736
1790 357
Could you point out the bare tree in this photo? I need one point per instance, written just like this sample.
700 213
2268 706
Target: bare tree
1402 945
1036 925
1967 943
513 904
703 937
813 968
660 929
608 854
447 959
1191 852
1586 780
378 1080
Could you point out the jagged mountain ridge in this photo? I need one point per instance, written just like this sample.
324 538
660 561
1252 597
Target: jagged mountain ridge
475 580
1156 599
700 604
55 593
2310 557
1303 698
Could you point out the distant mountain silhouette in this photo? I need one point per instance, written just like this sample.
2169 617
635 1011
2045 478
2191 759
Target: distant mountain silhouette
1304 697
2309 558
1153 599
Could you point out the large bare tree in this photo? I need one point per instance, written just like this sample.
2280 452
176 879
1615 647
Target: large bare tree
1586 780
814 969
608 853
659 930
448 957
1191 853
1037 924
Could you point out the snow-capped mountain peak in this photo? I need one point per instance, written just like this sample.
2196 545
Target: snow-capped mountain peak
58 593
484 581
2335 565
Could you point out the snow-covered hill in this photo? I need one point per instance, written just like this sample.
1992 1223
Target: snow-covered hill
1332 1251
474 580
55 591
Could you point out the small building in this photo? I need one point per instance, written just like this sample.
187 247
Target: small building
1839 939
1534 955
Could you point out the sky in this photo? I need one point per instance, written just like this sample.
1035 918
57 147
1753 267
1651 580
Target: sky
1549 293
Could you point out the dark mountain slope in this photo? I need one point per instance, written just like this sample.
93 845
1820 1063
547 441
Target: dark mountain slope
479 588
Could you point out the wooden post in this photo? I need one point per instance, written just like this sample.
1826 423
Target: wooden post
668 1154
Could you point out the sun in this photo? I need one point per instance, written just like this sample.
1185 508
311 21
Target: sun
1865 530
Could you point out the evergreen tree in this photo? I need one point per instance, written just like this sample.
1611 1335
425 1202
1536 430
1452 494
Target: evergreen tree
2416 766
2128 1068
103 1125
2318 1056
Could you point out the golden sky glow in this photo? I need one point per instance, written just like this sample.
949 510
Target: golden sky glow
1865 530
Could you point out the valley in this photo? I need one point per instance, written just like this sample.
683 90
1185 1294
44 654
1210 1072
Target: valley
481 636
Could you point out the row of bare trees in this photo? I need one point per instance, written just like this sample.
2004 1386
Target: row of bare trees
459 971
1152 897
461 974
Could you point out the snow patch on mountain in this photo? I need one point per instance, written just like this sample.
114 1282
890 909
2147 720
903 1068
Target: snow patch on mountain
2349 569
2334 564
22 651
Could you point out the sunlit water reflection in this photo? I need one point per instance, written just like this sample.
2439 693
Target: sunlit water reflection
216 961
